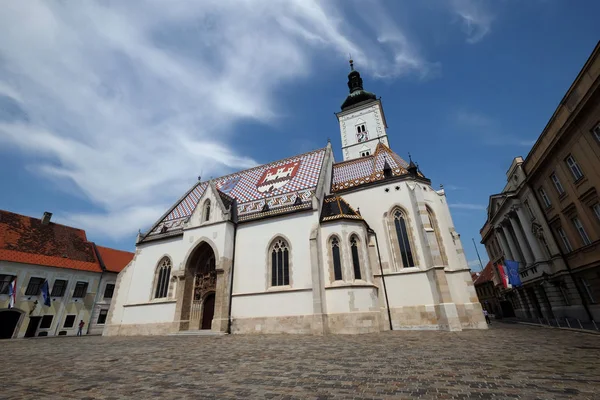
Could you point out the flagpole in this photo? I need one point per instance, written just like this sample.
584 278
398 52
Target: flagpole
477 251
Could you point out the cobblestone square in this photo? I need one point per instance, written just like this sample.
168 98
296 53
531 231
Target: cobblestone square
507 361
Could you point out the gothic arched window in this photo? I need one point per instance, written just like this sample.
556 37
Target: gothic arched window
402 235
335 255
438 236
161 279
206 212
280 263
354 243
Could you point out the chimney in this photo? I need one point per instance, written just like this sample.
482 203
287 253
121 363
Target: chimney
46 218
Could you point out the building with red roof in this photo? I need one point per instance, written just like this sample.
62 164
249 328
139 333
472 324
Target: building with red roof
37 256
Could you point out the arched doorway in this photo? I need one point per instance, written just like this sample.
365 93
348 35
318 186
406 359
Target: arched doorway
208 311
200 283
9 319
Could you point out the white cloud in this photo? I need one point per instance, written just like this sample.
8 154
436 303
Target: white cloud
488 130
467 206
452 187
129 101
474 264
475 18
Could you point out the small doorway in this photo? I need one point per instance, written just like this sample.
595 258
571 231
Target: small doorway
8 322
208 311
32 327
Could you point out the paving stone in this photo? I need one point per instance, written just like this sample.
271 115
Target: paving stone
507 361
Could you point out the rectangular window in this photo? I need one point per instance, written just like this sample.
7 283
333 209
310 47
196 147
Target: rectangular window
33 288
80 289
544 197
584 237
596 132
109 290
587 289
5 281
565 240
557 184
69 321
545 243
574 167
565 295
595 207
59 287
46 322
528 207
102 316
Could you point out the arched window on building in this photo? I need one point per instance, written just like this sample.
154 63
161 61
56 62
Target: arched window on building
403 237
206 211
438 235
354 243
162 277
280 263
335 255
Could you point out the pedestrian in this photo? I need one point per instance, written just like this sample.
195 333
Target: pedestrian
81 324
485 314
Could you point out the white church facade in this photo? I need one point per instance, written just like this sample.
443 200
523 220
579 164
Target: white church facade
305 245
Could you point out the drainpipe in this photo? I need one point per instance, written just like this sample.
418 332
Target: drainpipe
387 303
235 226
103 268
562 255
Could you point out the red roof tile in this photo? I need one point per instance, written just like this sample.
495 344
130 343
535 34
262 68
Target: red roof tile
26 240
486 275
114 260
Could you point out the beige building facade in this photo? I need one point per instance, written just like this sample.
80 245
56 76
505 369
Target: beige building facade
548 215
80 278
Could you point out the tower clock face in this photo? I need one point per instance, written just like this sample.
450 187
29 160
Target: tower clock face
362 136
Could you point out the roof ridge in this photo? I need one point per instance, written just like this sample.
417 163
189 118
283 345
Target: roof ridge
272 162
354 160
39 219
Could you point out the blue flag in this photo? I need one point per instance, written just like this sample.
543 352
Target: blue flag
512 268
46 293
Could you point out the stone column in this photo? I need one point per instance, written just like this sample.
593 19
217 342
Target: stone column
521 240
511 244
503 243
533 241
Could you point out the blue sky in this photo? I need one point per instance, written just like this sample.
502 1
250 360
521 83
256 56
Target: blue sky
110 110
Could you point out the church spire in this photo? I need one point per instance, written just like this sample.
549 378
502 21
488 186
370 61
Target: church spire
355 85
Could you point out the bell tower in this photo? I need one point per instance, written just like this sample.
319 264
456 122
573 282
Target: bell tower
362 122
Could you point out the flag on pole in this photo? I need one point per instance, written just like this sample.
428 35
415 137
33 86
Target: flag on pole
46 293
512 268
12 293
503 276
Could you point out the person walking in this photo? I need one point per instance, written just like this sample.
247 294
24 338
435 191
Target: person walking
81 324
485 314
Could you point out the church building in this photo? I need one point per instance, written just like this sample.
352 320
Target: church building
305 245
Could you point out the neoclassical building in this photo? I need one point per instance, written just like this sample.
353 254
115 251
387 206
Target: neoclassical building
305 245
547 217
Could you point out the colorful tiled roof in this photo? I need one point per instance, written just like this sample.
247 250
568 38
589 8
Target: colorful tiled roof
359 171
277 184
335 207
26 240
114 260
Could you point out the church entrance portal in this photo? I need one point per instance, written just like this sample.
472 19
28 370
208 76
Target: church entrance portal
200 285
8 322
208 311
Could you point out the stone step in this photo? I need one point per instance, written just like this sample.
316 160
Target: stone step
197 332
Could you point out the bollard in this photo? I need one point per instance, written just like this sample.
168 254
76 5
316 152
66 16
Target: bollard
581 326
567 321
595 326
